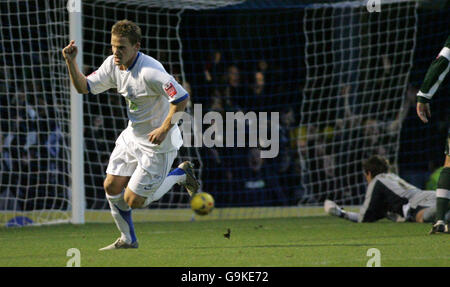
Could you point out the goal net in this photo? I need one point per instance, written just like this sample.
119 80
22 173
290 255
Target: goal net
34 145
336 74
358 66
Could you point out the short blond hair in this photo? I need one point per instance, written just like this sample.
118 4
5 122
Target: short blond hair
128 29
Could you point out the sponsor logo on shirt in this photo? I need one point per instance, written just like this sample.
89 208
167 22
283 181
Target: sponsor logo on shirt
170 89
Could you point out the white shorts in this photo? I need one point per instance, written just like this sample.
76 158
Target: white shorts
146 169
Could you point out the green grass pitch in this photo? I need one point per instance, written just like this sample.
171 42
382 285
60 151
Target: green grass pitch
286 242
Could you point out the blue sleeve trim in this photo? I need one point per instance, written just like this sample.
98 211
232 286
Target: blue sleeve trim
88 87
134 62
180 99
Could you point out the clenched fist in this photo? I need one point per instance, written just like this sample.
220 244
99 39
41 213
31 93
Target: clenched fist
70 51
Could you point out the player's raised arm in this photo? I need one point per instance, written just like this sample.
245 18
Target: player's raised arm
435 75
78 79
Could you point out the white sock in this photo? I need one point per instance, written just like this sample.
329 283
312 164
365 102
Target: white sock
121 213
443 193
175 176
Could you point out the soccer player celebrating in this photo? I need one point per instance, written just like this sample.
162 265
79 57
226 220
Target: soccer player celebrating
138 169
433 78
388 196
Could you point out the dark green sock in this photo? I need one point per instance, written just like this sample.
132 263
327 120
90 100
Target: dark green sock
441 207
442 203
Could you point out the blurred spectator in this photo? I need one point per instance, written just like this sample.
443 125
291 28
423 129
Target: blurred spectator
317 159
96 147
262 66
26 117
95 139
258 100
3 176
9 166
286 160
214 69
256 183
217 103
28 182
373 143
54 144
10 147
269 80
217 160
235 92
408 106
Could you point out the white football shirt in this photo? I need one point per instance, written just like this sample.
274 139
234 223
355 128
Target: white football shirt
148 89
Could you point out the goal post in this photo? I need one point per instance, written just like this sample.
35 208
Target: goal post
74 9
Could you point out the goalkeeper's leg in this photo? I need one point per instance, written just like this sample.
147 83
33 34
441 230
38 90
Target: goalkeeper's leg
335 210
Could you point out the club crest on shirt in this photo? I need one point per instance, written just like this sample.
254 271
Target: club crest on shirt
170 89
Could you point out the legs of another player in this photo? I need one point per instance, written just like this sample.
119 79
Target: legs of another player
121 212
442 194
443 191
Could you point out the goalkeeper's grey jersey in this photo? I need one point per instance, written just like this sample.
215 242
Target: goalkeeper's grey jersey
387 192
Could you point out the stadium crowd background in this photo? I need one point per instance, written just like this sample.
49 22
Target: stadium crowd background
224 72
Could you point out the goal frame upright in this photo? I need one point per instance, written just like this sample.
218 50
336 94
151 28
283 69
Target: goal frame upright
74 8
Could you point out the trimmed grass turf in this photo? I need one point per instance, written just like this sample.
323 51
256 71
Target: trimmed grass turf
287 242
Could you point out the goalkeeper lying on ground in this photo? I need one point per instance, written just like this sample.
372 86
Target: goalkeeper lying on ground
389 196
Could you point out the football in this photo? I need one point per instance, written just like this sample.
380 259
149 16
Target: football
202 203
